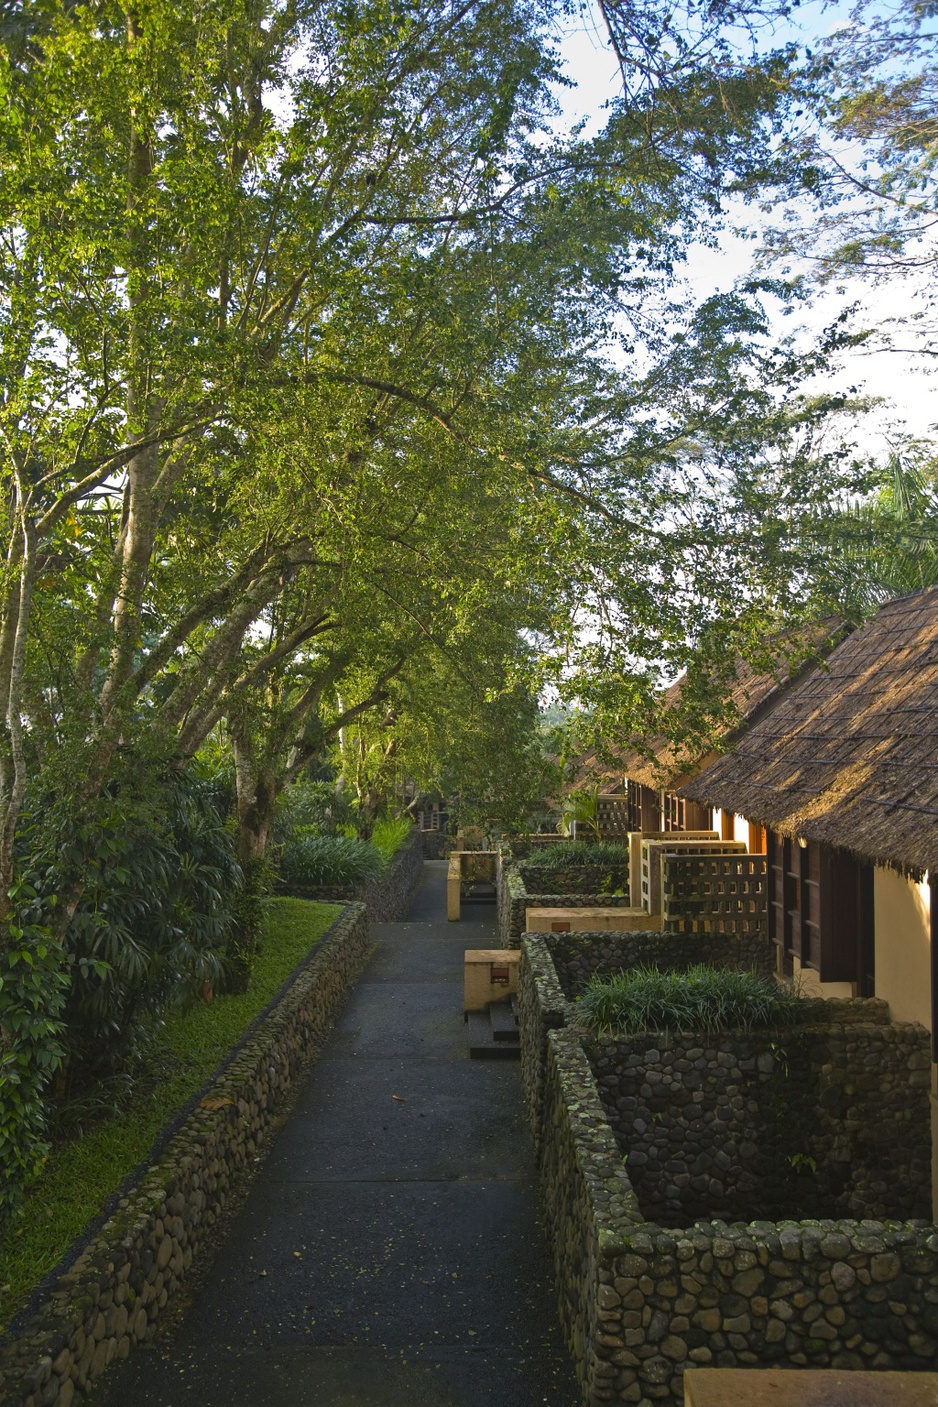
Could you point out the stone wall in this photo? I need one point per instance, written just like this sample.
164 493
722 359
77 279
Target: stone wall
513 899
829 1121
577 879
542 1007
387 898
108 1299
555 968
578 957
435 845
641 1302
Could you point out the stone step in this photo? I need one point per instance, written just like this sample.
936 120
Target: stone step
503 1022
482 1042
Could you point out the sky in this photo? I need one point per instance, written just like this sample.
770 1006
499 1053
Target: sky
902 381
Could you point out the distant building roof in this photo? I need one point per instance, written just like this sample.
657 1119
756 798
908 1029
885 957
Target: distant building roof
849 756
752 693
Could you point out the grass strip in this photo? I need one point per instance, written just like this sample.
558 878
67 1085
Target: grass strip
189 1045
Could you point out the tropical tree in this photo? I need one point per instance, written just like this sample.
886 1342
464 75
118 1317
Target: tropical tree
290 295
863 196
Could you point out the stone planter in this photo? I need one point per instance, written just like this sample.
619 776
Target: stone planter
642 1301
514 898
556 968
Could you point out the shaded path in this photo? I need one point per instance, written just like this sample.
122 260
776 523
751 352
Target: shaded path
389 1253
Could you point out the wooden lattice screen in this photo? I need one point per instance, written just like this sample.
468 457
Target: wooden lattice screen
654 850
714 894
613 816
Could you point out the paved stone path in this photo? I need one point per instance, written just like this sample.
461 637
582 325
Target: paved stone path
389 1254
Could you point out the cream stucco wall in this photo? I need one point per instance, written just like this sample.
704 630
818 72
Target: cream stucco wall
903 958
740 826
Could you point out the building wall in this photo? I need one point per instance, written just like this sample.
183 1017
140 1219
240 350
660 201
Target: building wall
738 829
731 828
903 957
812 986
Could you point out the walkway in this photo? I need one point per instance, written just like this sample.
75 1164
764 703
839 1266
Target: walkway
389 1254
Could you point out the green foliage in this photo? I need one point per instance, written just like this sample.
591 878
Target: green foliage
390 835
705 999
308 861
314 806
885 542
187 1047
160 892
582 809
341 394
33 984
566 853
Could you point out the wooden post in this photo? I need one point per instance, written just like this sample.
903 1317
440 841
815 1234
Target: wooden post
453 888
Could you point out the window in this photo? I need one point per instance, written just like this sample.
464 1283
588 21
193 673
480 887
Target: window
680 815
821 910
651 810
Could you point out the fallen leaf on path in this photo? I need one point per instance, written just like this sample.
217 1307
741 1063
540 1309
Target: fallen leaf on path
400 1098
215 1101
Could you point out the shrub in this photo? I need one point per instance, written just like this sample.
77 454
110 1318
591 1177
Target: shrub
32 994
706 999
313 807
159 887
390 836
575 852
309 861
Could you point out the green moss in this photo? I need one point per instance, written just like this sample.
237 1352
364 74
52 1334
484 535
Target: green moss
80 1175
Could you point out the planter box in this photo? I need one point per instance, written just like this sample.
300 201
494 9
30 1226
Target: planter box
556 968
641 1302
514 899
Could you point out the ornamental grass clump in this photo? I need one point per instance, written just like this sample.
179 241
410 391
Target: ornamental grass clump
575 852
389 836
334 861
705 999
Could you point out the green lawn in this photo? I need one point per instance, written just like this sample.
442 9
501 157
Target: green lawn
80 1175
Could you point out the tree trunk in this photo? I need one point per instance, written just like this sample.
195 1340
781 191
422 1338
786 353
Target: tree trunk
256 790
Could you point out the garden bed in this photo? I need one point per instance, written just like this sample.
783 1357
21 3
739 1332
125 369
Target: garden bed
515 897
109 1291
387 898
576 879
556 968
643 1130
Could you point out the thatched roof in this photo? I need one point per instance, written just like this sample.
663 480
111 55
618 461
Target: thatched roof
752 694
849 757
